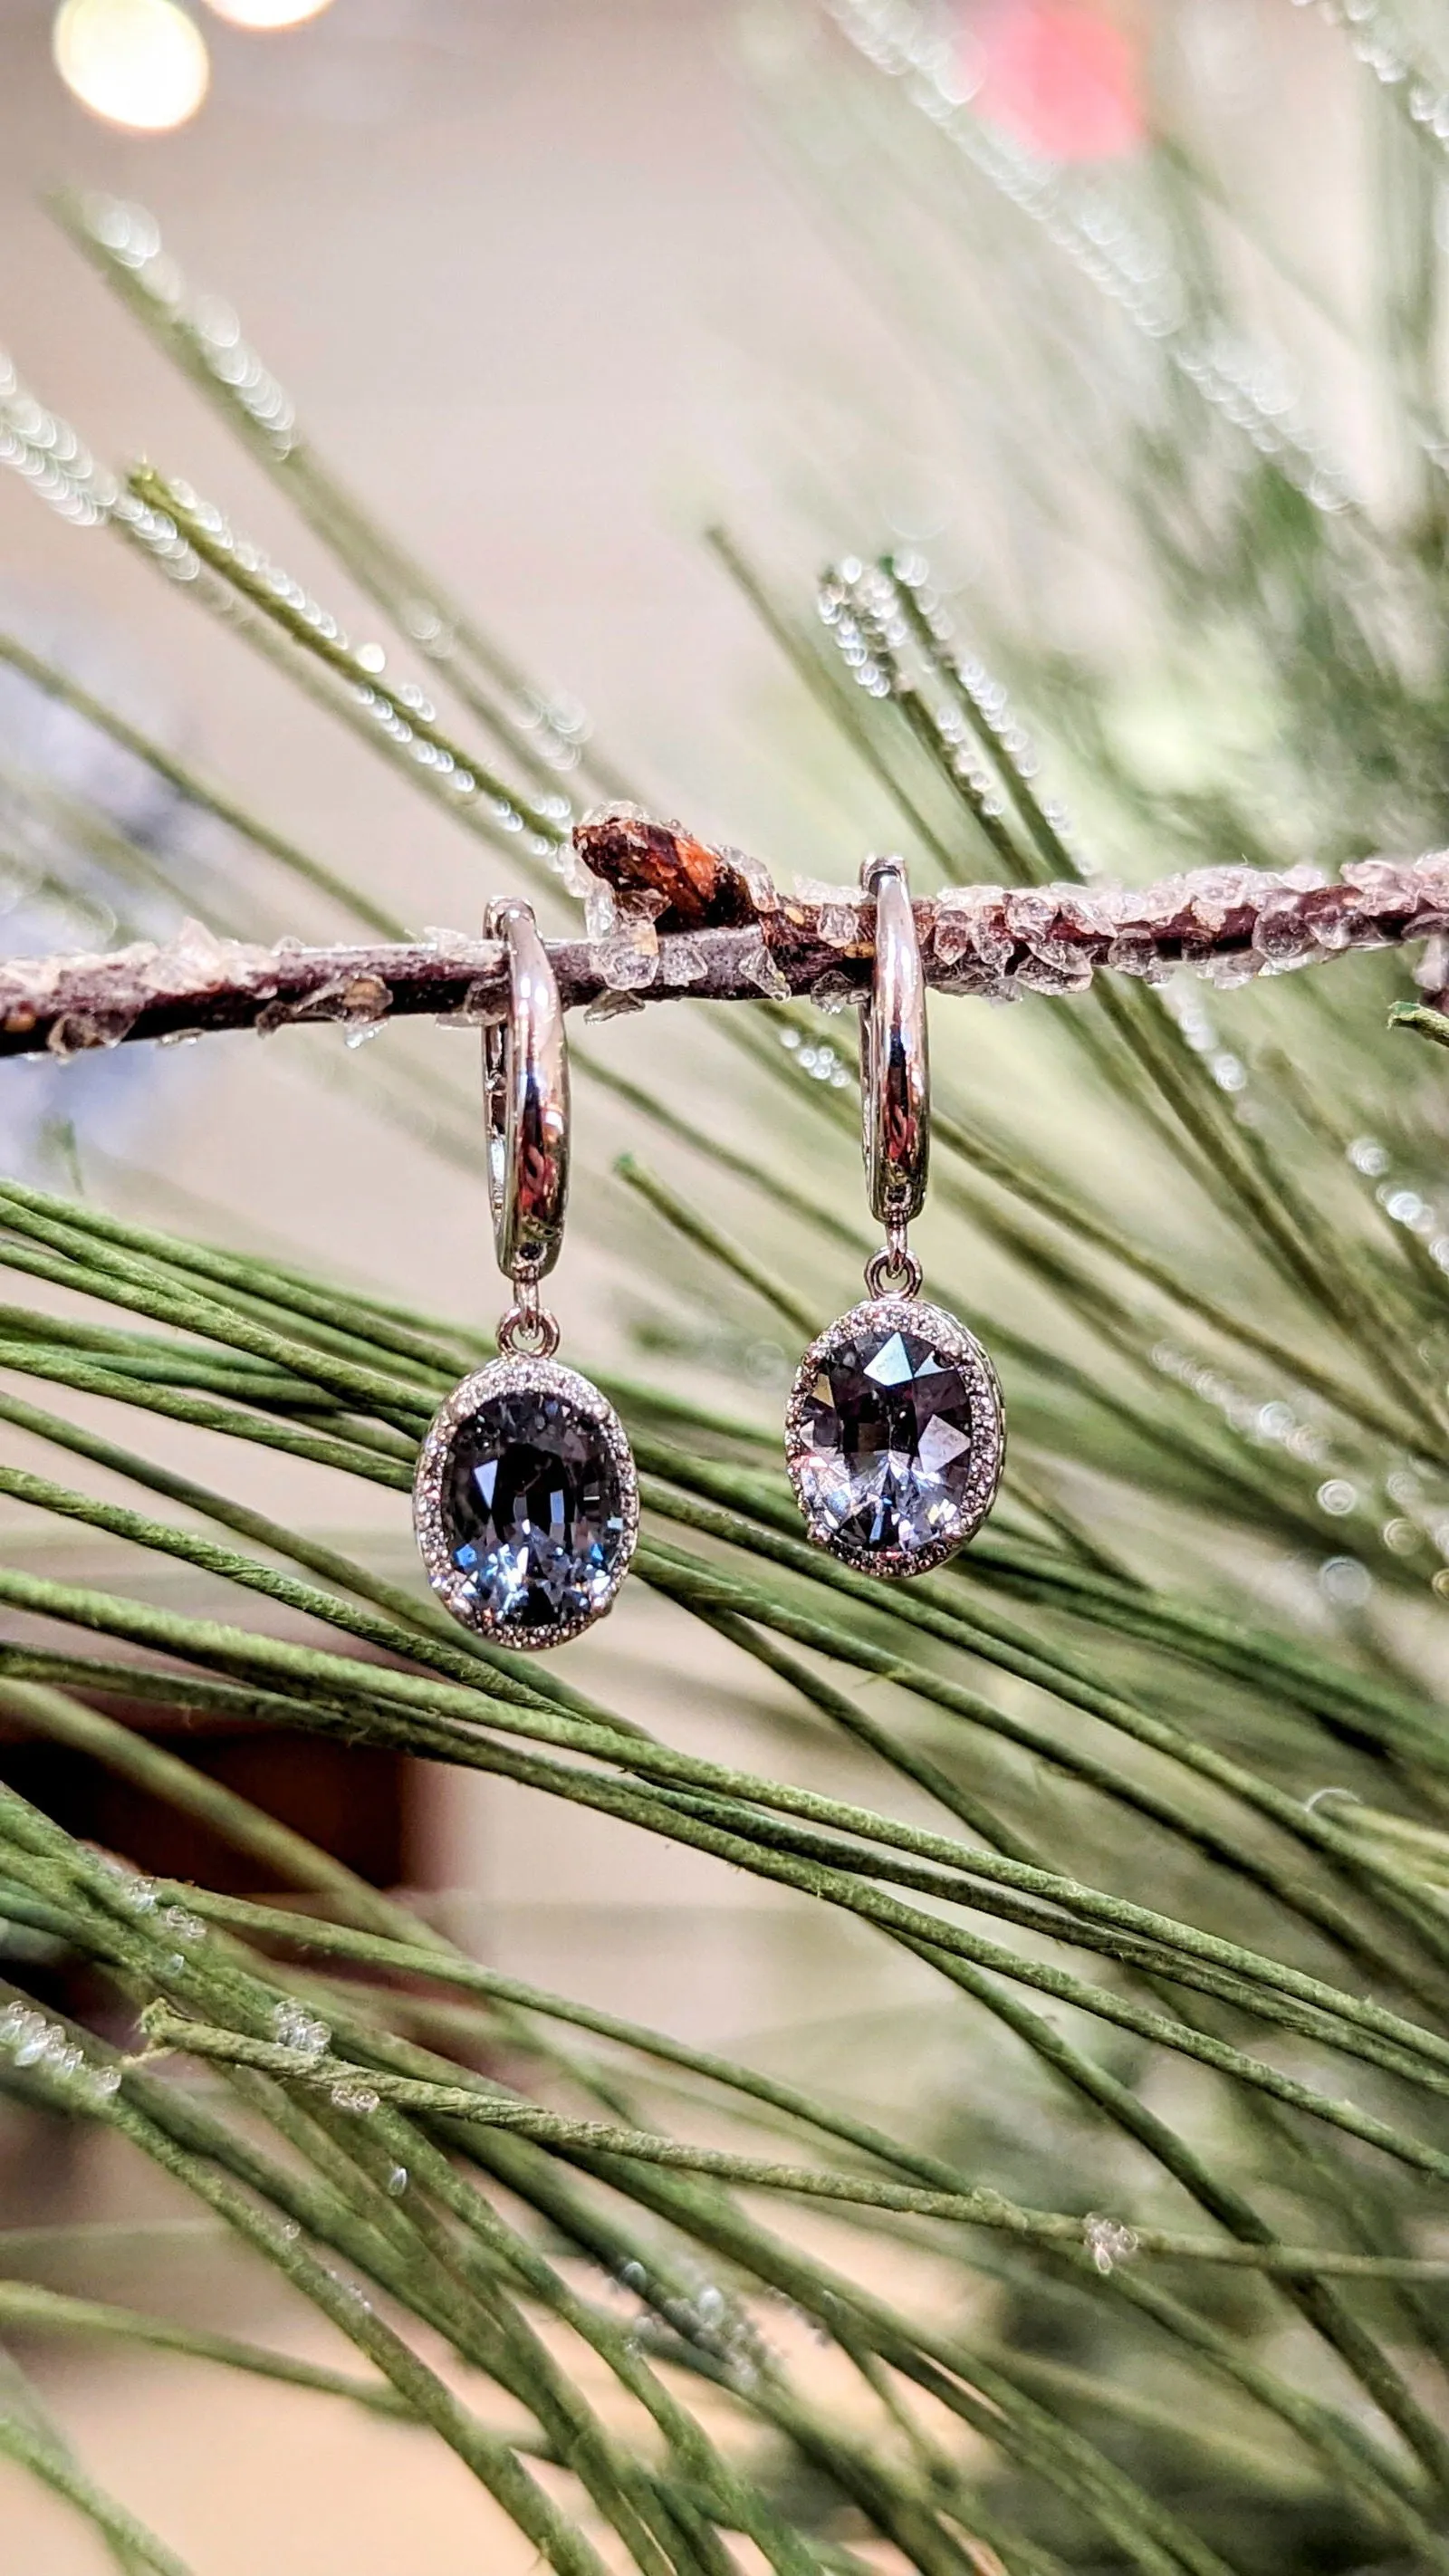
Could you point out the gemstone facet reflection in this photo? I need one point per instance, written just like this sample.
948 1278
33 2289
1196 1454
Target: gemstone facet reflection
894 1436
526 1503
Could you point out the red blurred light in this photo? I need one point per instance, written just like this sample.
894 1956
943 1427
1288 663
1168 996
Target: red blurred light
1062 76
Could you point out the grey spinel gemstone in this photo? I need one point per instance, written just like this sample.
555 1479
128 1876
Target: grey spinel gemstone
894 1436
526 1503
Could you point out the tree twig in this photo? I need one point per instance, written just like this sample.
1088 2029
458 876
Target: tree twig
671 917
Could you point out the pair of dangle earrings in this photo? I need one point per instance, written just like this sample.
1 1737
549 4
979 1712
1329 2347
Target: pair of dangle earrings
526 1500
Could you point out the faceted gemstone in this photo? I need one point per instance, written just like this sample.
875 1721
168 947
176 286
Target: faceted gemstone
532 1510
896 1437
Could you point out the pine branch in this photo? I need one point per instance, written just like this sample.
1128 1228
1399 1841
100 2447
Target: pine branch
675 918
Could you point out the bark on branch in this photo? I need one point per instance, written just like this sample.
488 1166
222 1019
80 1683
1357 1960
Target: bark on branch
672 918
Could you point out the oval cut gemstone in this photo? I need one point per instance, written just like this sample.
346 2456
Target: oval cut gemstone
525 1504
895 1436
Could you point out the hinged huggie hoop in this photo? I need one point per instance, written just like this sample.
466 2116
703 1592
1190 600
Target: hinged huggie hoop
526 1499
895 1072
526 1097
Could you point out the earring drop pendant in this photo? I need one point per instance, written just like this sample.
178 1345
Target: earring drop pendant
894 1433
526 1503
526 1500
894 1436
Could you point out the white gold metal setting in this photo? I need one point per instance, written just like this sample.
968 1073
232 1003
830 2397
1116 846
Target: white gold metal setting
895 1436
526 1100
525 1498
895 1070
492 1599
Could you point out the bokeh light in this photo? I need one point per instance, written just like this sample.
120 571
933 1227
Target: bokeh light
1063 76
268 13
137 63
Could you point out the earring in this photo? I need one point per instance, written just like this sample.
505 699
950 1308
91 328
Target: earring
894 1433
526 1501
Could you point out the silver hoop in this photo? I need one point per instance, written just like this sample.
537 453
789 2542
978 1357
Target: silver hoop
895 1080
526 1103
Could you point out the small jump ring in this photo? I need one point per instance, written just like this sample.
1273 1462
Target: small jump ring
528 1331
893 1272
526 1098
895 1086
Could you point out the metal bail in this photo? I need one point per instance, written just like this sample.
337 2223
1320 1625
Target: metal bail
526 1103
895 1083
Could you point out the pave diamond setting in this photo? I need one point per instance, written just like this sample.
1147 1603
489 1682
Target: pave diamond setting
895 1436
526 1503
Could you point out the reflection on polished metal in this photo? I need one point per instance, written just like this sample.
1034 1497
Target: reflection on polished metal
526 1501
894 1433
526 1095
895 1066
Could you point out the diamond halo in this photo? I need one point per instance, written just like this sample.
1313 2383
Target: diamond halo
583 1405
830 1493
